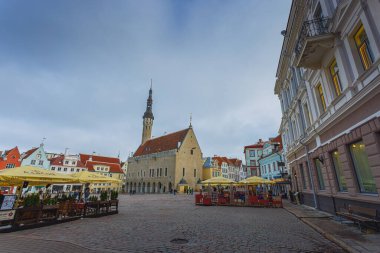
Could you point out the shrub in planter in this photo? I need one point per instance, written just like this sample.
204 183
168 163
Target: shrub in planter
93 199
32 200
114 195
104 196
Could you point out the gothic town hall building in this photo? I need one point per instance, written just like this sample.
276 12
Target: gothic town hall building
162 164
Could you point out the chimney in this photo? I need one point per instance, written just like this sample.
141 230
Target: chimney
178 144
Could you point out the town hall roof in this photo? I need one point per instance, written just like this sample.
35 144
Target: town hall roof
163 143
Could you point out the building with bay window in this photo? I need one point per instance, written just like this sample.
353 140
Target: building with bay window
328 82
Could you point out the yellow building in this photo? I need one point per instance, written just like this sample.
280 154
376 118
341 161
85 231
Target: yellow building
211 169
162 164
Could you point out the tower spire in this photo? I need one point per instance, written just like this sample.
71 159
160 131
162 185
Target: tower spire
191 118
148 117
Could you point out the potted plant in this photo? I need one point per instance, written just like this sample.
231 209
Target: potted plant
104 196
32 201
93 199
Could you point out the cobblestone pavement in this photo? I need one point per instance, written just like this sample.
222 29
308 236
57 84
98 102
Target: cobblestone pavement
148 223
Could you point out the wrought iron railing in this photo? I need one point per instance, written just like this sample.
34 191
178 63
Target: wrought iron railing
312 28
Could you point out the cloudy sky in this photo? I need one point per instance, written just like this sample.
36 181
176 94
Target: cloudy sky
78 72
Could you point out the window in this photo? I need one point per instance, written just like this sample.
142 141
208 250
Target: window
334 72
64 169
9 165
166 172
307 114
274 166
183 172
318 167
252 153
66 162
160 172
40 162
339 171
78 170
364 48
364 175
73 162
52 168
72 169
157 172
191 151
253 162
302 172
59 168
321 97
195 172
33 162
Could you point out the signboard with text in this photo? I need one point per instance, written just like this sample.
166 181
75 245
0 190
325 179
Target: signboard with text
7 202
7 215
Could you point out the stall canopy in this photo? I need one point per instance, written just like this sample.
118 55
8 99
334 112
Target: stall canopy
93 177
218 180
256 180
33 175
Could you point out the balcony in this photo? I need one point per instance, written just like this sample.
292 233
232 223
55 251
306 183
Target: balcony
314 41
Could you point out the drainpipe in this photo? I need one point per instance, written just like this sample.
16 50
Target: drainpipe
307 153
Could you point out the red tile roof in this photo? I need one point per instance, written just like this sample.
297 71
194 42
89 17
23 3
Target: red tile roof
231 161
106 159
163 143
277 139
58 160
112 162
114 167
29 152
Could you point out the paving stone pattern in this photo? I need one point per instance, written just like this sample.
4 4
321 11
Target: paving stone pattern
148 223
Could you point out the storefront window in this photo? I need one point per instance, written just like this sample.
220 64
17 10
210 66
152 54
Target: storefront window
364 175
339 171
318 167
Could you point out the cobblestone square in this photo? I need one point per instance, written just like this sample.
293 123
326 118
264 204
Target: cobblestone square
148 223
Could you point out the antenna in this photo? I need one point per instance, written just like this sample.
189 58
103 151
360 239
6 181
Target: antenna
151 83
191 118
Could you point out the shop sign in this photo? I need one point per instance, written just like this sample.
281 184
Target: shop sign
7 215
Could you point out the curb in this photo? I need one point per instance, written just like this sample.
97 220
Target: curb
330 237
325 234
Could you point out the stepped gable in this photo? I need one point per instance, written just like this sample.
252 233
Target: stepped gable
162 143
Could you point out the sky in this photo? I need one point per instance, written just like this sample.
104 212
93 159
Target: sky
78 72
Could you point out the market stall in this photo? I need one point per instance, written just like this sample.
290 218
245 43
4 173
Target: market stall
98 204
218 192
42 208
260 193
32 208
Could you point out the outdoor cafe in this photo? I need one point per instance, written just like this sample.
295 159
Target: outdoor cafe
254 192
31 209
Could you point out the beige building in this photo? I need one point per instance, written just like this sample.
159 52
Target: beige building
162 164
328 82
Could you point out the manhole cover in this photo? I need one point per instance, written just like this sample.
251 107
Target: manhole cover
179 241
